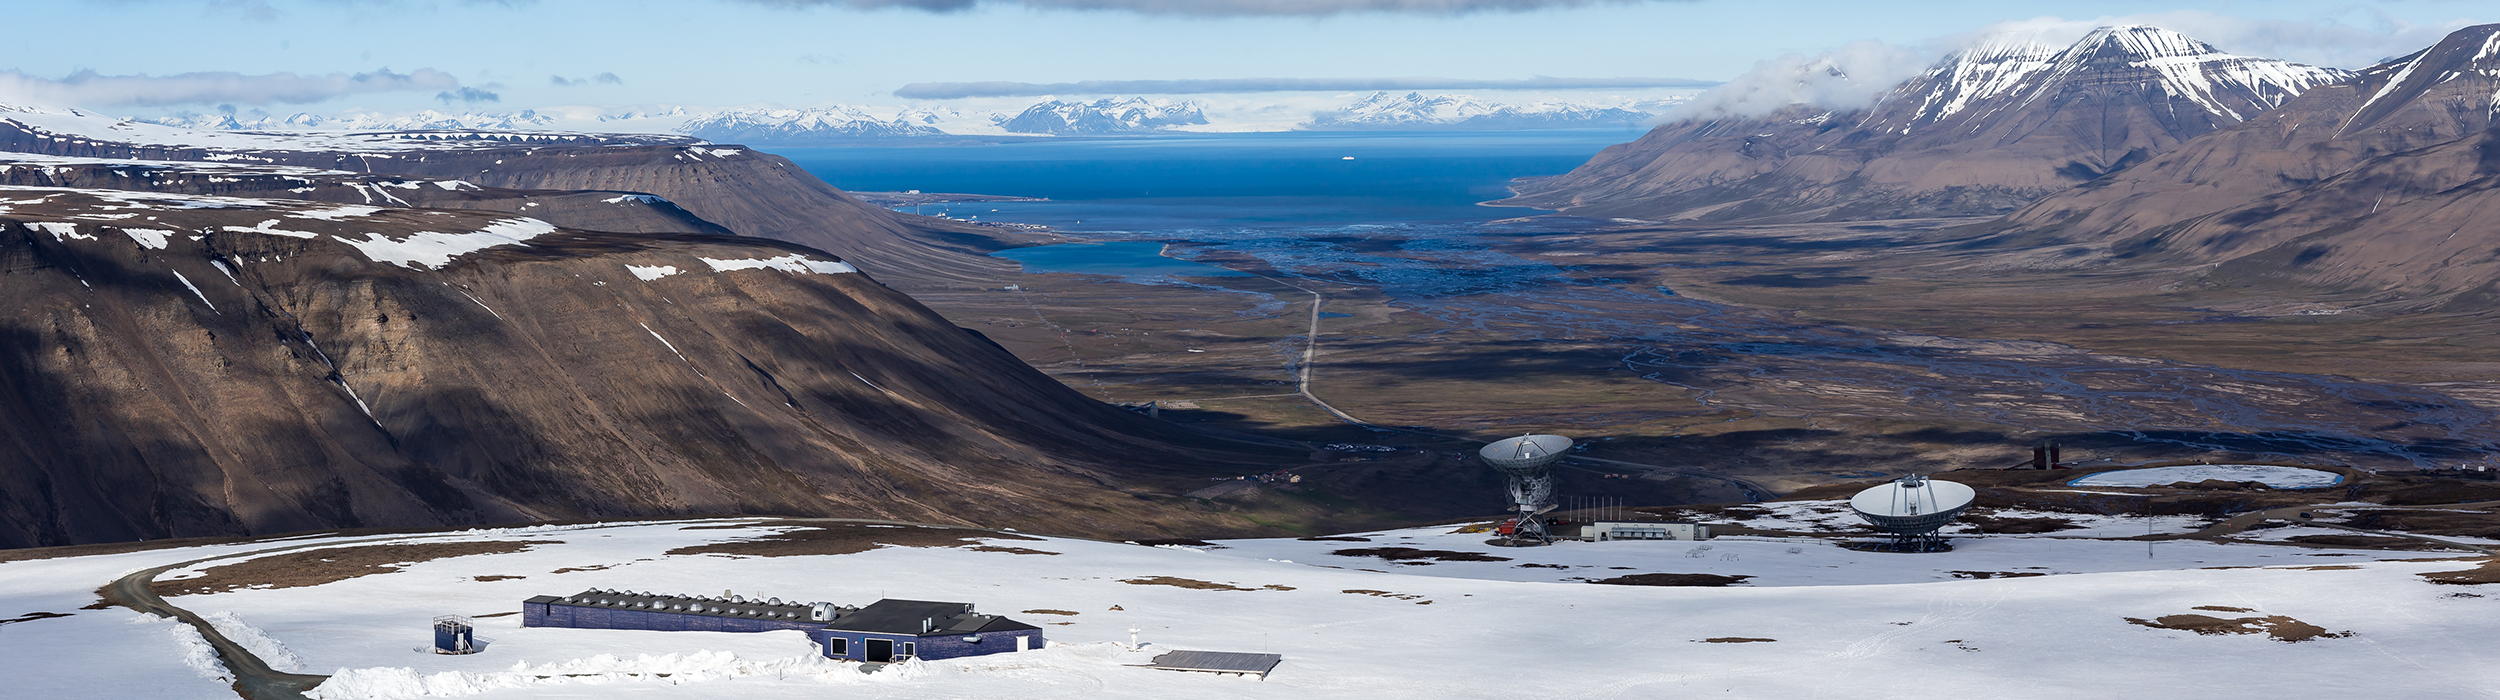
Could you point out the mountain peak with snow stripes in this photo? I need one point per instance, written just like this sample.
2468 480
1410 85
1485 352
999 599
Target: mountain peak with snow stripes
2005 72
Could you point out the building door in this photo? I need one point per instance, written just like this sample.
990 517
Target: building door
880 650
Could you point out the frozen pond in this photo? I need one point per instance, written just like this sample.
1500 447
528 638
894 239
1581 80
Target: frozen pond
2278 477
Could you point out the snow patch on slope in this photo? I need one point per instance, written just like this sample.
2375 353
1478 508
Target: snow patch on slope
787 263
426 250
647 273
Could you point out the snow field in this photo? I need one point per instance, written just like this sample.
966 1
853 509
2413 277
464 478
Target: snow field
110 653
1815 561
1836 517
1442 630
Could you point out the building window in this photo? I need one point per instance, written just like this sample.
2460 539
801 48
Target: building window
838 646
911 649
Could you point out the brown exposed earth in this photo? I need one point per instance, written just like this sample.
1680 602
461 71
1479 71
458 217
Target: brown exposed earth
847 538
2487 572
2281 628
1673 580
313 567
1737 640
1196 584
1382 594
1403 554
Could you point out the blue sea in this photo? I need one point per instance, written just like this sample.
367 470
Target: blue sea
1169 182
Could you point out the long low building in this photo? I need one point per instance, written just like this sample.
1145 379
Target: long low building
888 630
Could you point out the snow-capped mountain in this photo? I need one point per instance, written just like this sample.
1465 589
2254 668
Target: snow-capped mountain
1104 117
770 126
2213 88
1414 110
1983 131
429 119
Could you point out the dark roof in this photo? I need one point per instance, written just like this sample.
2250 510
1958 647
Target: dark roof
685 605
920 618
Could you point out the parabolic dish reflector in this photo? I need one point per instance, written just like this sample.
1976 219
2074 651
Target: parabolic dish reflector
1913 505
1526 454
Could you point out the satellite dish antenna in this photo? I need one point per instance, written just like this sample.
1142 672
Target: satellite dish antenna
1528 460
1912 509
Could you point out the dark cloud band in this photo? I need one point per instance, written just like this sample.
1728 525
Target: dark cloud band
950 91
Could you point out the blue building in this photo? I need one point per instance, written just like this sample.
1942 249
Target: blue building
889 630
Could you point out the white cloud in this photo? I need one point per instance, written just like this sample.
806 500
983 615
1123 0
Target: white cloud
1850 76
90 89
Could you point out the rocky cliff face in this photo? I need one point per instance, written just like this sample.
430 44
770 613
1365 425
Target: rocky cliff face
195 365
2378 189
1985 131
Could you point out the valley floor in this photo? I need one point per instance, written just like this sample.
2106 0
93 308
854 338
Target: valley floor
1811 620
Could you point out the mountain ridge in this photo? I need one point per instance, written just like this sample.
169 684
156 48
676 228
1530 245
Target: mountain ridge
1983 131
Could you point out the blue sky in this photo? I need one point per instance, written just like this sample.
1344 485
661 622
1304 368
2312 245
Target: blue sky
814 52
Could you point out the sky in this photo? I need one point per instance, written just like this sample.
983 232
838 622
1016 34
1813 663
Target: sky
153 57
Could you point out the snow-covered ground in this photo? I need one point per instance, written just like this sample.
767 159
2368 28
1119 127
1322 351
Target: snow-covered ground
1833 622
1796 561
2270 475
1836 517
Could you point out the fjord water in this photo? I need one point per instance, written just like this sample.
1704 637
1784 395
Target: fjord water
1401 217
1222 180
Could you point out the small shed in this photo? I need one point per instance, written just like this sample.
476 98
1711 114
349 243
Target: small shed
893 630
1608 530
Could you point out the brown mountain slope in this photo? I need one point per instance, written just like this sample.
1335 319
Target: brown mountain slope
1982 132
2434 96
182 365
750 192
2373 191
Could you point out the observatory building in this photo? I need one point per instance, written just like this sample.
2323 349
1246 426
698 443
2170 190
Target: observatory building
1912 509
888 630
1528 460
894 629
